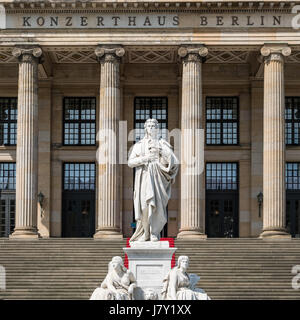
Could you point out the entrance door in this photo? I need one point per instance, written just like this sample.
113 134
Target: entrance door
222 200
293 214
222 215
78 200
78 214
7 213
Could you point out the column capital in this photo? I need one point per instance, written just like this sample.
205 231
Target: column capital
109 53
275 51
28 53
196 53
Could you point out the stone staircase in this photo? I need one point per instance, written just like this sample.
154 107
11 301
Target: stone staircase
73 268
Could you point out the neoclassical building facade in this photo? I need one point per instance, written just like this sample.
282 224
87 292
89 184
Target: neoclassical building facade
69 69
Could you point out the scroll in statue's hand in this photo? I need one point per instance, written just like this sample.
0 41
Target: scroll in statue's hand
151 157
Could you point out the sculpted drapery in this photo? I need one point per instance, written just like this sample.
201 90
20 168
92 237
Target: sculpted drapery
156 167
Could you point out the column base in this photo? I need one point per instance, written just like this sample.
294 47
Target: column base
191 235
108 235
24 234
273 234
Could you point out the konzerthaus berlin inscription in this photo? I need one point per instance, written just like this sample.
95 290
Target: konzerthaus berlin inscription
123 20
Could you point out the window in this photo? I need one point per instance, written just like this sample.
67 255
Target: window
292 120
7 176
8 121
150 107
222 124
221 176
79 121
7 198
292 179
292 176
79 176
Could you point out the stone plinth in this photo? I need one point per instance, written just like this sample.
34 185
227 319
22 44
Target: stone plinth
150 262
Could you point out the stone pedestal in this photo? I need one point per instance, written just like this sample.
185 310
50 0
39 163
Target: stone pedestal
150 262
274 218
27 143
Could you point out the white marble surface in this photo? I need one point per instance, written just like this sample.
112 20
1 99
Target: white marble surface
150 262
156 167
180 285
149 244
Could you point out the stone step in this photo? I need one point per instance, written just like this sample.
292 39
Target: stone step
73 268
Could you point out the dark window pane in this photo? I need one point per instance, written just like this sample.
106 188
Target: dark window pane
221 176
8 121
292 176
292 120
79 121
79 176
222 120
7 176
150 107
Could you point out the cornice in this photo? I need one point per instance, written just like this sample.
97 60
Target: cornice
148 6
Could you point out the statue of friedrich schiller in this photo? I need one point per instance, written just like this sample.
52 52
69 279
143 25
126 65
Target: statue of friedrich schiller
156 167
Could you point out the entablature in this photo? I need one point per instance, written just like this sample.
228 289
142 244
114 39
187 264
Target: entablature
149 4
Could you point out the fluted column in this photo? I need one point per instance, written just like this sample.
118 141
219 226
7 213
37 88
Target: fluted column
27 142
192 215
274 218
108 220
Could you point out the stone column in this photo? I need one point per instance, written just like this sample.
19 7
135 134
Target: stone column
108 222
27 142
192 217
274 219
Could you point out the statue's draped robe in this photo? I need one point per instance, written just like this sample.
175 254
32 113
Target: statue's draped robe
180 282
152 187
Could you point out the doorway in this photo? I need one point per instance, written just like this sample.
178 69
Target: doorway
78 214
293 214
7 213
222 200
78 200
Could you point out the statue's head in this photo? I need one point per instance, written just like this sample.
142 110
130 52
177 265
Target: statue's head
150 294
151 128
116 264
183 262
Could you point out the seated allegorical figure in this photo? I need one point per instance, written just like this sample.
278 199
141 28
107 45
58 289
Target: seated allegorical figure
119 283
179 285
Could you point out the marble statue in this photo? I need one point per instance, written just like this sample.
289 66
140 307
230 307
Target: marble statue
156 167
179 285
119 283
150 294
